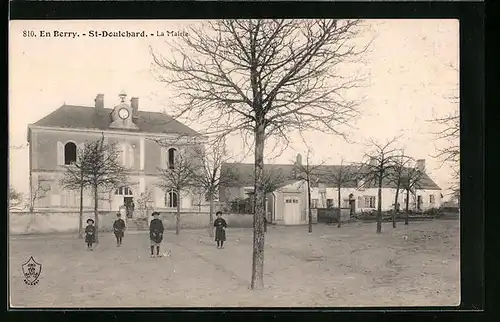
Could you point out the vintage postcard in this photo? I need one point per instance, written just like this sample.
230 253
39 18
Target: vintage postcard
234 163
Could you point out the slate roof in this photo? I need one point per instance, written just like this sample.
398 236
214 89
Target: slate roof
85 117
241 174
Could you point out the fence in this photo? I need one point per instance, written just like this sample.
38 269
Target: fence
331 215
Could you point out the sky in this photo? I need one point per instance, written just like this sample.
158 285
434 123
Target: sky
408 81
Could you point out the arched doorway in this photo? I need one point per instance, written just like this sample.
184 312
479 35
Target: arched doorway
128 200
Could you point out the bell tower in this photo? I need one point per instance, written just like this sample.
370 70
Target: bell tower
122 115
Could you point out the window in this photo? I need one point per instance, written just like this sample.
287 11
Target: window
127 154
314 203
171 199
431 199
329 203
369 202
69 153
171 158
124 191
295 201
70 198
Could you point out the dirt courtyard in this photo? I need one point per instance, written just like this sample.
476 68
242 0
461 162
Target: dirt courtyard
414 265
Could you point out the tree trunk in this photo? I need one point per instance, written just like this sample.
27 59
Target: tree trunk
96 214
379 207
258 219
31 206
396 208
339 219
178 214
407 206
211 218
80 222
309 205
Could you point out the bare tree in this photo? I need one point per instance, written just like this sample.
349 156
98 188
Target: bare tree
377 168
411 181
449 137
41 190
272 179
264 78
102 171
74 178
175 179
144 200
207 173
305 172
397 176
15 198
340 176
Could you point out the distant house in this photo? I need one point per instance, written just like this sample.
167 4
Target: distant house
55 139
288 203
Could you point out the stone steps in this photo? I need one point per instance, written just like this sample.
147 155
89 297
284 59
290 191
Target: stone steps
137 224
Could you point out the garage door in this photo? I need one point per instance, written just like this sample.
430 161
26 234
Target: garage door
292 211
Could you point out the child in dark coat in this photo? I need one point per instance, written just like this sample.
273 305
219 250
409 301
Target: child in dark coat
119 229
90 234
220 229
156 233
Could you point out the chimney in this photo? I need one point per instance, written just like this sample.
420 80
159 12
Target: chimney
99 101
421 165
134 103
298 159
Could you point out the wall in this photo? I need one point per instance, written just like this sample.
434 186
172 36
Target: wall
67 222
227 194
44 144
55 222
45 166
201 220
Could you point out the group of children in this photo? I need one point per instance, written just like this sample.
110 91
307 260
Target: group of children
118 229
156 230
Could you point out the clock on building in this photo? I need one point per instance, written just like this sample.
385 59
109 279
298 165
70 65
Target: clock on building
123 113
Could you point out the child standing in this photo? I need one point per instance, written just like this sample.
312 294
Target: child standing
119 229
90 234
220 229
156 233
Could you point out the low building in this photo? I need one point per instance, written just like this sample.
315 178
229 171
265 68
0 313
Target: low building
287 203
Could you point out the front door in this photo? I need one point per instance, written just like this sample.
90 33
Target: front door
129 206
292 210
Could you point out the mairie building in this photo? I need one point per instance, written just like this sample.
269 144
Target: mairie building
55 139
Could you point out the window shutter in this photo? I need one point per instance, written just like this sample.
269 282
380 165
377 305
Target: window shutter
163 158
160 198
60 153
79 150
130 156
124 154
